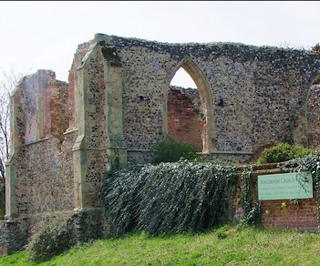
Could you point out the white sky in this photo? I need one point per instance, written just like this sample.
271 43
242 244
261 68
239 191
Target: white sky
45 35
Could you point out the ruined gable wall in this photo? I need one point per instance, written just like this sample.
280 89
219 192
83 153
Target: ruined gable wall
35 89
257 91
44 168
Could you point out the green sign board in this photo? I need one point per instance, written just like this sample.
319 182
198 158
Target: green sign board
285 186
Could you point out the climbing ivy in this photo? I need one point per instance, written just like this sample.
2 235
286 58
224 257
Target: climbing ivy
168 197
252 210
310 163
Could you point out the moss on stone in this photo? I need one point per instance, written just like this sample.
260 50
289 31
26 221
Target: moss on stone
110 54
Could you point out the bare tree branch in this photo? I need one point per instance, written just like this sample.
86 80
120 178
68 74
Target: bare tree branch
2 172
8 81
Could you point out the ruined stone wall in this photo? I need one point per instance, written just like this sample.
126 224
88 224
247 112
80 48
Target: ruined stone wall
45 177
118 102
41 165
144 96
257 91
76 63
96 140
118 105
35 104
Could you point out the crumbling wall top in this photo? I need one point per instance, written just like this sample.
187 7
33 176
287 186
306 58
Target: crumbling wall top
236 51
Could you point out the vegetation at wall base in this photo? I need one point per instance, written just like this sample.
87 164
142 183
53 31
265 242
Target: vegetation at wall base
51 240
120 195
171 150
283 152
226 245
165 199
168 198
252 210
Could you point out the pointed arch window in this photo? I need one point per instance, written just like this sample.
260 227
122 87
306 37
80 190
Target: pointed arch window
190 110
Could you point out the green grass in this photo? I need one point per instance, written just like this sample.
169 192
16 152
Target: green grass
227 245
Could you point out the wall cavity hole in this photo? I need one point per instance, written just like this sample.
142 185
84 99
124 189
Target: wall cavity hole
221 102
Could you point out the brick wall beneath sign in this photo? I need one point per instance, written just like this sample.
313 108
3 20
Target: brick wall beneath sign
299 214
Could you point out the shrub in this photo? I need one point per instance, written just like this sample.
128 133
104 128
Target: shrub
170 150
51 240
316 48
283 152
167 198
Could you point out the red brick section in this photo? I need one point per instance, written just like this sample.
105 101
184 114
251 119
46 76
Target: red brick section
4 251
56 116
285 214
301 214
184 123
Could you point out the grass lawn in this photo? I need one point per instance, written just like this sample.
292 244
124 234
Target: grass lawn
227 245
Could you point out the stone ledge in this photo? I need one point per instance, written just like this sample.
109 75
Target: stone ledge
230 153
209 153
139 150
70 131
39 214
35 141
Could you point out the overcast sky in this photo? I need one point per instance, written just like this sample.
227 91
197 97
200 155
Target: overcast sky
45 35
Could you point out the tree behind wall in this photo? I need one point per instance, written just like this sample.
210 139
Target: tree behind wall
8 82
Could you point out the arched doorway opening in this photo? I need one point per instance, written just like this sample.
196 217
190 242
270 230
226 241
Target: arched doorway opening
190 110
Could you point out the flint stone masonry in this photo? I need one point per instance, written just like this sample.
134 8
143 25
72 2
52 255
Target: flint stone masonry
257 91
117 105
